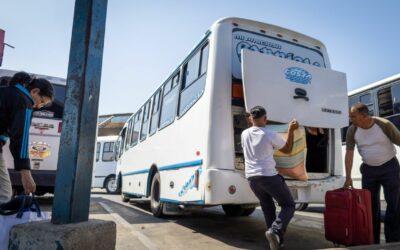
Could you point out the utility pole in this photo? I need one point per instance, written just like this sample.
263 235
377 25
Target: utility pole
75 164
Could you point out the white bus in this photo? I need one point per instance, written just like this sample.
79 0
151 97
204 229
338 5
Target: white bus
105 164
44 138
383 100
183 147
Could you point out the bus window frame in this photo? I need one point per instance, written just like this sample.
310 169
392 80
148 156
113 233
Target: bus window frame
109 148
176 73
201 47
137 119
148 104
159 93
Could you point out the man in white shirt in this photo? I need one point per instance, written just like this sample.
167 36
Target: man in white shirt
258 145
374 137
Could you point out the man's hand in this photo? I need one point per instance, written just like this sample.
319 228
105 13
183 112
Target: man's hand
293 125
27 181
348 183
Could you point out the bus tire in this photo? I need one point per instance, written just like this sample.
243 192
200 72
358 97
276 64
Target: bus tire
301 206
237 210
248 211
124 198
156 204
111 185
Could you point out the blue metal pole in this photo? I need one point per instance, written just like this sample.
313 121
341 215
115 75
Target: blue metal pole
75 162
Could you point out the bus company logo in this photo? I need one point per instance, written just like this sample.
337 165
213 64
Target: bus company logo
298 75
191 183
39 150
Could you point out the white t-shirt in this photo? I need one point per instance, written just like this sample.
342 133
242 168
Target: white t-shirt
374 146
258 148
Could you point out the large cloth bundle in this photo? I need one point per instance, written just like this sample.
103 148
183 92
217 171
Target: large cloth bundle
293 164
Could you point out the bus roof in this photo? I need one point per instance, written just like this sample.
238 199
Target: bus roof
271 28
375 84
52 79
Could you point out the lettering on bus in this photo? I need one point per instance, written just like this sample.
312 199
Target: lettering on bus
332 111
191 183
273 46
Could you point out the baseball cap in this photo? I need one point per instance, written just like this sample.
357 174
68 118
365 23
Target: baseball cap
257 112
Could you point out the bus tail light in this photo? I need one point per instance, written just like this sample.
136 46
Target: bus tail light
237 90
232 189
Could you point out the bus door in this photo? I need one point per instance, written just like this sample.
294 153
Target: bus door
316 97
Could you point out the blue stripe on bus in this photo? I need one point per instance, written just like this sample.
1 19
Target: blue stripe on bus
137 172
169 167
181 165
201 202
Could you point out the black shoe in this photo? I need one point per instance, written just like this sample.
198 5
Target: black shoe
273 239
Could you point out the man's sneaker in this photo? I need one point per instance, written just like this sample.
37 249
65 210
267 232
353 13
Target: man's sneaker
273 239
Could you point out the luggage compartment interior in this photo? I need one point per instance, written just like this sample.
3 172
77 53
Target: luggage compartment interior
317 140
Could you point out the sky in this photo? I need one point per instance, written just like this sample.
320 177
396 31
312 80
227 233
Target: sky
146 40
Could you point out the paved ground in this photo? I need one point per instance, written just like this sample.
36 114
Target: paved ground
205 229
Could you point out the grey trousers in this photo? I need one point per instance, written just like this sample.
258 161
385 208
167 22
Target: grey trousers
5 183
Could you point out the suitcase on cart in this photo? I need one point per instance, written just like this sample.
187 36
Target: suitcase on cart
348 217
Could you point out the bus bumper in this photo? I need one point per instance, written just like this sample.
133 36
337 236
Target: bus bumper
219 186
313 191
42 178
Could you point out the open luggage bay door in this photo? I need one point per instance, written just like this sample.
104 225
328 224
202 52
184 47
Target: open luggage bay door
316 97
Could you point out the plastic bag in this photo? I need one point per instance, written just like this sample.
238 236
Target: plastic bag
21 209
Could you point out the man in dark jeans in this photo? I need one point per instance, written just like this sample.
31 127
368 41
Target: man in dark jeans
374 138
258 147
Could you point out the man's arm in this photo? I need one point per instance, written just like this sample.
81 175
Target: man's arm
348 161
293 125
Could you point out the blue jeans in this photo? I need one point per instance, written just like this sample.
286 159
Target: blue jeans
267 188
387 176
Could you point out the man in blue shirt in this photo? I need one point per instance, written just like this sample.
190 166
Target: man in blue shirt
17 102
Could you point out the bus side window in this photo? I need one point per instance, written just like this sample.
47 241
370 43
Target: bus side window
116 148
146 112
128 134
98 151
154 112
136 128
193 81
122 145
385 103
395 118
169 102
367 100
108 151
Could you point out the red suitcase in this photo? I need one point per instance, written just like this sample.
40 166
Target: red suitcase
348 217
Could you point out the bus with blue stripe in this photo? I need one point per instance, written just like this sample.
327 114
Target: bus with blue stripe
182 149
42 136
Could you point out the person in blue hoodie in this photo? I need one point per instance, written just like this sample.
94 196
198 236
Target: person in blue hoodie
17 102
